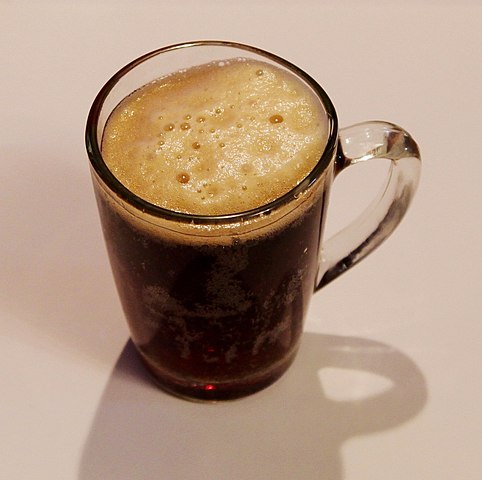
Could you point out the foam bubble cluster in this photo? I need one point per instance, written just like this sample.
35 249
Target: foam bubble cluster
215 139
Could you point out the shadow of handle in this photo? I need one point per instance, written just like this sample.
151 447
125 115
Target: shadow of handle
401 402
359 143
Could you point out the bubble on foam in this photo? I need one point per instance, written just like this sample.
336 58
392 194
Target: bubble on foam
276 119
183 177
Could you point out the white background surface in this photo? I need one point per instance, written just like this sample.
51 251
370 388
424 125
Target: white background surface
388 383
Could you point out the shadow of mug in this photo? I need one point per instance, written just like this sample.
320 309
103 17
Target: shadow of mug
297 432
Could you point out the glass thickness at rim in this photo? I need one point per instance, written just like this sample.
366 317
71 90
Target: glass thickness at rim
100 167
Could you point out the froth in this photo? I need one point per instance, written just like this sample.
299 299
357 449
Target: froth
215 139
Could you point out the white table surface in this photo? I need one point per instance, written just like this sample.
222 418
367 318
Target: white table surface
388 383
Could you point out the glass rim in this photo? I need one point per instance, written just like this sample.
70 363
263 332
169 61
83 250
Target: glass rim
111 181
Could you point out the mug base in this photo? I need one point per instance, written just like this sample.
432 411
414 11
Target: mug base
214 391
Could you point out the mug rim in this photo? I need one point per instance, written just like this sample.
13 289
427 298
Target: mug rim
111 181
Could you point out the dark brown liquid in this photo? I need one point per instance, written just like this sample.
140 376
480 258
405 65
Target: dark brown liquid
215 321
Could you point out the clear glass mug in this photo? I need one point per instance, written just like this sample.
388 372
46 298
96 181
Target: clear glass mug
215 304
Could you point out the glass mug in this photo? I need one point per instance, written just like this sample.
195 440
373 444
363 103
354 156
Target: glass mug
215 304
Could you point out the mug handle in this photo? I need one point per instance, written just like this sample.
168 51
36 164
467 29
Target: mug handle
359 143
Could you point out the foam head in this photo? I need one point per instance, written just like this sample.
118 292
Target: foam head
215 139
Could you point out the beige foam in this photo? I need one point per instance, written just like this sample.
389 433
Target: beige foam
220 138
